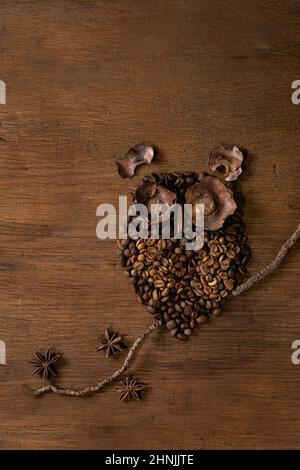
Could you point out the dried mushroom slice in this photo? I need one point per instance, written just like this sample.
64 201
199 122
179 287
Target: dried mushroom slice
149 193
137 155
217 200
228 157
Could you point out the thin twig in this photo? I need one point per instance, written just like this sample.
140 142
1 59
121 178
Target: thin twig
96 388
272 266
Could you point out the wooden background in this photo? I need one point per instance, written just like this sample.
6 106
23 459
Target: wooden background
85 80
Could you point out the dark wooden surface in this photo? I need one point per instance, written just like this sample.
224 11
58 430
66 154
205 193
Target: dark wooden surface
85 80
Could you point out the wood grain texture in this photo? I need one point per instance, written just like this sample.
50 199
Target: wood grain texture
85 80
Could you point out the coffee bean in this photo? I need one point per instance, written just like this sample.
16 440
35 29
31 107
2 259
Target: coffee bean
178 265
138 266
207 290
188 310
159 283
155 295
178 308
228 284
242 269
216 312
225 264
151 309
223 293
171 324
165 292
231 254
201 319
188 331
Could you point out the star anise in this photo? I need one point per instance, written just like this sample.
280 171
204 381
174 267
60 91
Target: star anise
45 363
129 389
111 343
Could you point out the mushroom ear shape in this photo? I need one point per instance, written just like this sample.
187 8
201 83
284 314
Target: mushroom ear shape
228 157
126 167
135 156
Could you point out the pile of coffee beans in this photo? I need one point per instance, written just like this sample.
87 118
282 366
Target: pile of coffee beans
184 287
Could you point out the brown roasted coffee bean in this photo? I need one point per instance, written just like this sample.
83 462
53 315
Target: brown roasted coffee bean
201 319
159 284
188 310
155 295
188 331
165 292
242 269
151 309
225 264
207 290
231 254
138 266
223 293
216 312
171 324
228 284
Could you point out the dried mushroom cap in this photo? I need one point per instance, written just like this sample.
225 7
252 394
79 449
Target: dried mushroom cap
145 191
163 196
228 157
149 193
217 199
137 155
